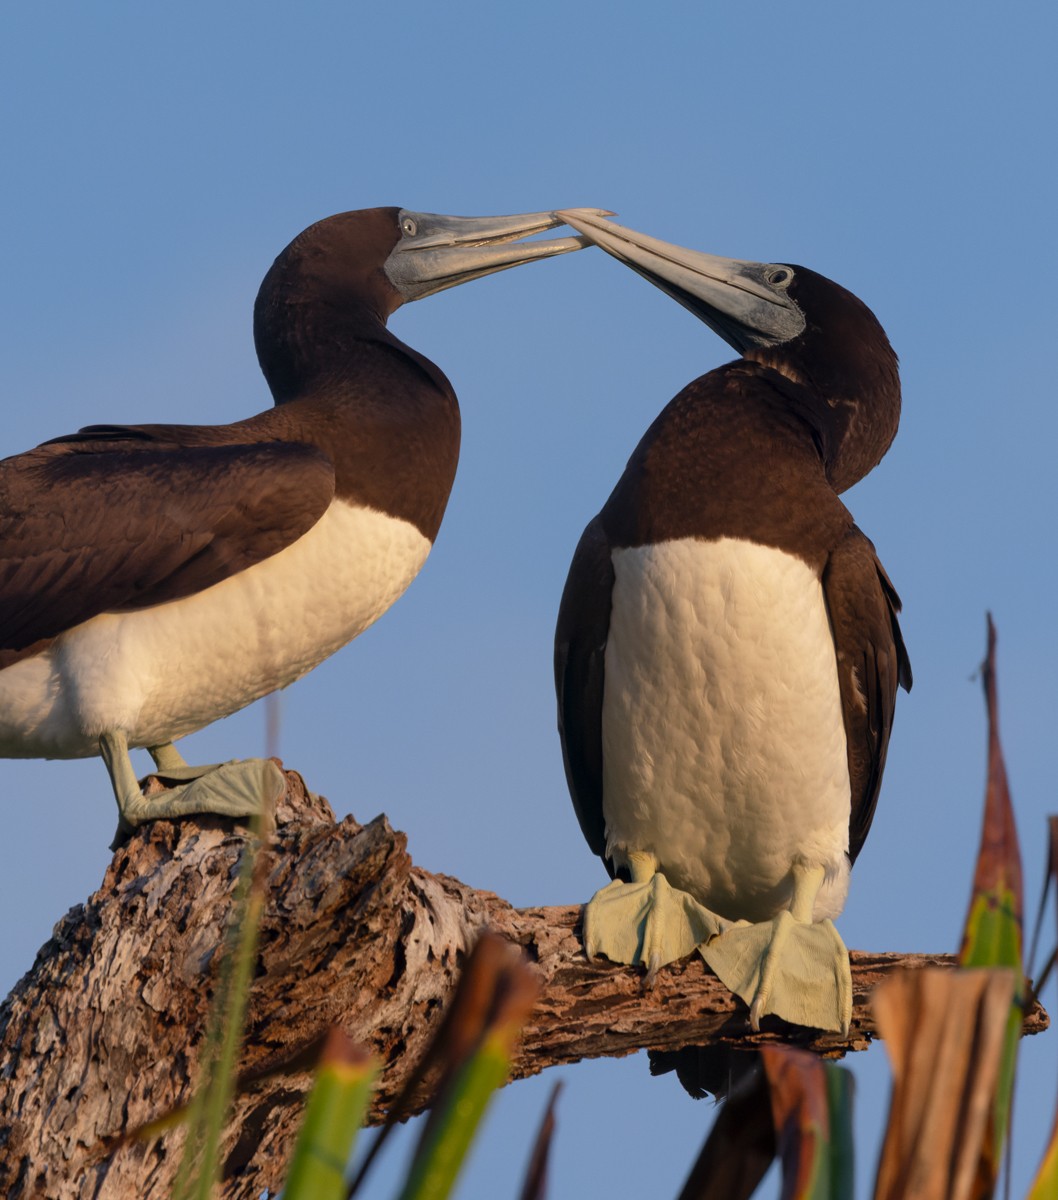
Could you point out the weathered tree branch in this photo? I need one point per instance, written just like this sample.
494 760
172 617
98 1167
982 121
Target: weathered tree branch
103 1033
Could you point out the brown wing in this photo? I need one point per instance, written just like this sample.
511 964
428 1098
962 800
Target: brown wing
580 649
105 524
872 662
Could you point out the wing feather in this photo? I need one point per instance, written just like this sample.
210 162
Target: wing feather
872 662
580 650
110 524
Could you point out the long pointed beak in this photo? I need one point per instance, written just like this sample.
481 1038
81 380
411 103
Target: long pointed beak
737 299
437 252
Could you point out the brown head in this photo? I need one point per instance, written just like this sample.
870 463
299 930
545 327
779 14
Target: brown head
338 281
822 338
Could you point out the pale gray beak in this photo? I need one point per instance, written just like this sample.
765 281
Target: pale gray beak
746 303
437 252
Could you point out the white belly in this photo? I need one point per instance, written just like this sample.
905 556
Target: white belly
166 671
723 738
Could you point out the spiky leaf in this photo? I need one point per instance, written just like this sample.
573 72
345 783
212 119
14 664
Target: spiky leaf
992 936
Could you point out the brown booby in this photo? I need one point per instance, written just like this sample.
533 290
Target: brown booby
727 653
154 578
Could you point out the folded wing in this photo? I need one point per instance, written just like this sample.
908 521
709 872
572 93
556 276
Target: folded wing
872 663
113 520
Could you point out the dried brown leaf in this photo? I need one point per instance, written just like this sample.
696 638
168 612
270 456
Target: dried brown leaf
740 1146
535 1185
944 1032
801 1116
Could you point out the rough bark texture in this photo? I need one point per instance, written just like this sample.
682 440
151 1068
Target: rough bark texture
103 1033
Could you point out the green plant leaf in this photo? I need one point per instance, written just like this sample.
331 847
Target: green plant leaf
534 1186
208 1111
440 1155
334 1113
492 1002
794 1106
1045 1185
740 1146
841 1091
806 1103
1050 879
992 936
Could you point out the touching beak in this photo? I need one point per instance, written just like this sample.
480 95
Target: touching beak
738 300
439 252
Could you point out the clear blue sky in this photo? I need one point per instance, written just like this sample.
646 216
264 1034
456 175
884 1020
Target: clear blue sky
156 158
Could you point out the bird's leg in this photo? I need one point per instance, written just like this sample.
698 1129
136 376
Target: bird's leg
790 966
647 920
166 757
171 767
233 789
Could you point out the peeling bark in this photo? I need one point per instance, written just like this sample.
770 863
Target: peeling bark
103 1033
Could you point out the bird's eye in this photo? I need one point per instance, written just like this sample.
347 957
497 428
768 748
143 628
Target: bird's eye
779 276
409 227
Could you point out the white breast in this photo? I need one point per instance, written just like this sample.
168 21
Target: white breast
723 738
166 671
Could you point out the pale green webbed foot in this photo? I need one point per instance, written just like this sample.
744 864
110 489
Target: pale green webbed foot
646 921
241 788
790 966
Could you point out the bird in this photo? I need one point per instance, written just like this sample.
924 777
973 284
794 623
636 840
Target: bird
728 650
155 578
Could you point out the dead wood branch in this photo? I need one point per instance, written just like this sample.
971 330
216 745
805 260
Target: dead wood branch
103 1032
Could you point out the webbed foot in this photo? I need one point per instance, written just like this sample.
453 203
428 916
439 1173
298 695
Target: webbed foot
646 921
790 966
241 788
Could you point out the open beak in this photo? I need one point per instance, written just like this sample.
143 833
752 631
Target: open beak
739 300
437 252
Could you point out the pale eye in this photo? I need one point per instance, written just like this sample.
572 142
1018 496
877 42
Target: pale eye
779 276
408 227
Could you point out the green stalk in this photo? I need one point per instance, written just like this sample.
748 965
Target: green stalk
455 1119
840 1090
992 936
334 1114
200 1163
1045 1185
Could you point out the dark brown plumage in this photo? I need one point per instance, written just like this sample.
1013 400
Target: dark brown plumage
730 457
757 449
139 515
663 594
154 578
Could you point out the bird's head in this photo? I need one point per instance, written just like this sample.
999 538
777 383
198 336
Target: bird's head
380 258
344 276
814 332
